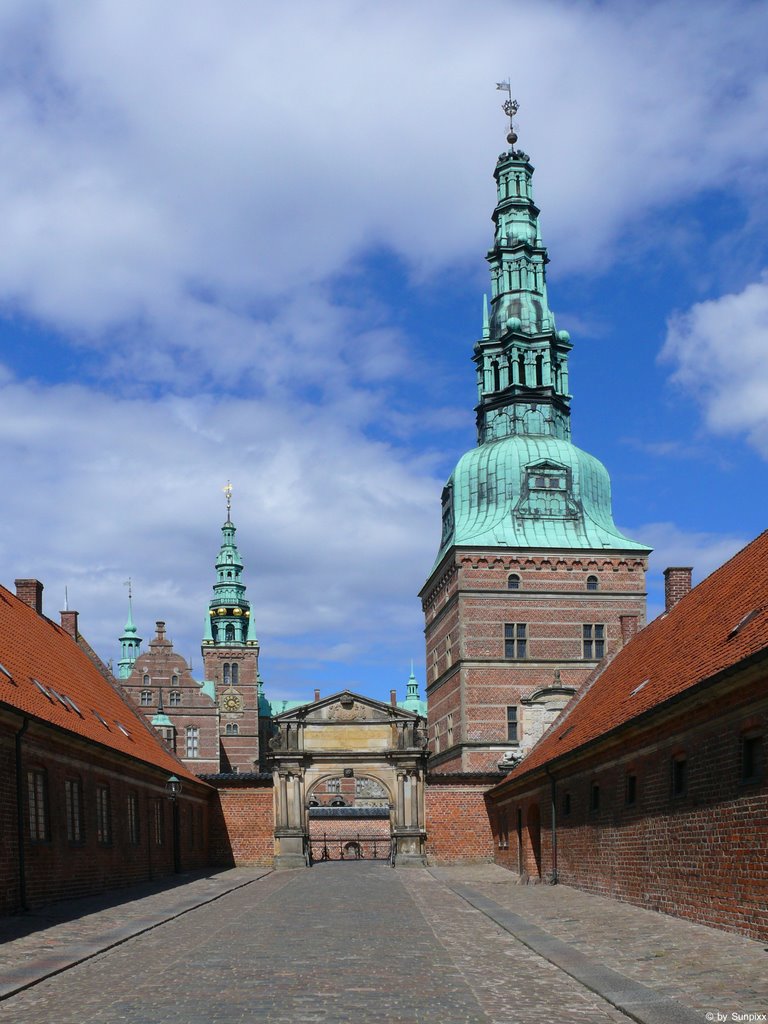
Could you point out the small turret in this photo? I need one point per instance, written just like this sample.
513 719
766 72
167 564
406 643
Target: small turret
413 701
130 643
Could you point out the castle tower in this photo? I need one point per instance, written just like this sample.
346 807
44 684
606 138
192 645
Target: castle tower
231 656
533 581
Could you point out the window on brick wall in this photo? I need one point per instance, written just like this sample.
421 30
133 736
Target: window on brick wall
566 804
437 739
146 698
103 816
174 698
225 673
231 729
448 651
134 832
333 785
679 775
174 680
235 673
594 797
145 680
193 741
435 672
512 723
449 727
592 583
593 638
752 758
73 808
37 805
515 640
630 789
159 823
513 581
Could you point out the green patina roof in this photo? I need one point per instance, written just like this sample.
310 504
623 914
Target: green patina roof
495 501
525 485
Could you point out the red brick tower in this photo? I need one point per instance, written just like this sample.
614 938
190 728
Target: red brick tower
533 583
231 657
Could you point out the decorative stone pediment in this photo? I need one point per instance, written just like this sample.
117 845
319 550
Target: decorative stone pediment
346 707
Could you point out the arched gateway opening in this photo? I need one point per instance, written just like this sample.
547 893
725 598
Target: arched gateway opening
349 818
349 782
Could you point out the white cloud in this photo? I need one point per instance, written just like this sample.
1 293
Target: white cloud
719 349
337 531
247 152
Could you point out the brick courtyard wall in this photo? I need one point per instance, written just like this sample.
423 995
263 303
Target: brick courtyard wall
457 820
702 854
242 822
57 868
372 834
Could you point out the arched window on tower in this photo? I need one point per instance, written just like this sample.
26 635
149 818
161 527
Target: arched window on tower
592 583
496 375
539 370
231 729
229 633
521 368
225 673
174 680
513 581
145 680
235 673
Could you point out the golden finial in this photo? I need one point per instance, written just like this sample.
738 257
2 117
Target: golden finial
228 493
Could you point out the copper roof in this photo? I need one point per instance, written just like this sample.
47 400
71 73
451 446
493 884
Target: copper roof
45 674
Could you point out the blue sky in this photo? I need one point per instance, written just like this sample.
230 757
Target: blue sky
247 243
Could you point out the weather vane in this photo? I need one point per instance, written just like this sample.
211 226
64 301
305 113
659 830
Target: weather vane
510 108
228 494
128 583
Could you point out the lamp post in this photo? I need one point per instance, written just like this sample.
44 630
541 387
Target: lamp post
173 789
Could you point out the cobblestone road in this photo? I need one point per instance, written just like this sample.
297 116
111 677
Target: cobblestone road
340 943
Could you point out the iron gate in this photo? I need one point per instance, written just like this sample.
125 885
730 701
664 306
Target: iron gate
350 846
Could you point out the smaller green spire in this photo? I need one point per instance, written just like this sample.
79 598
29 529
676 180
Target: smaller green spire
412 700
228 622
130 641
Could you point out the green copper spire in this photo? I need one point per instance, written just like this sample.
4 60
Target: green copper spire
228 623
130 642
521 359
525 485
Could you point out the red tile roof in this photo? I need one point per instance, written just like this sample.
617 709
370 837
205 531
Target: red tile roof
721 622
72 694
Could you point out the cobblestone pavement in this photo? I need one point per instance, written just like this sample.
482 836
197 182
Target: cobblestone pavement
361 942
704 968
53 938
340 943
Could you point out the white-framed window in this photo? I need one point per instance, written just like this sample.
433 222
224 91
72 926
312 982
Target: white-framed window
37 805
515 640
174 699
593 638
146 699
193 741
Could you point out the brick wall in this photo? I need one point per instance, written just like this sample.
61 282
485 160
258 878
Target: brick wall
469 677
371 834
242 823
702 854
58 868
457 821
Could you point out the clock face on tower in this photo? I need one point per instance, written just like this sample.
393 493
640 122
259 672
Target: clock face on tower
232 702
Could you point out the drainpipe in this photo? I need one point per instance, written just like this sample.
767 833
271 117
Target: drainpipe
553 795
20 818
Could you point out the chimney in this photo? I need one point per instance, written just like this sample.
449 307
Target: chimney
69 623
317 694
393 698
677 583
629 624
31 593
